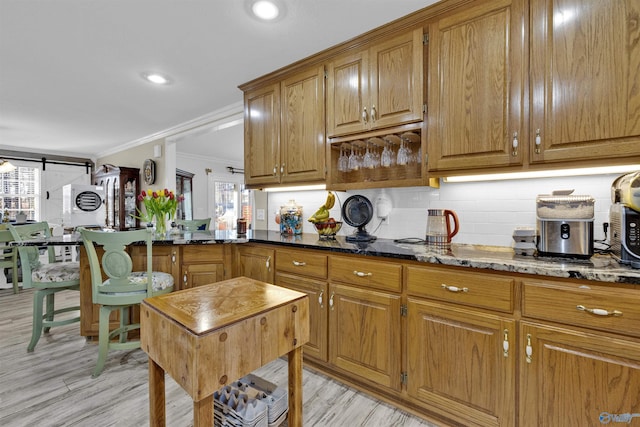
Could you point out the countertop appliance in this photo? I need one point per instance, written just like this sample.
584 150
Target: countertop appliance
83 205
624 217
357 211
565 224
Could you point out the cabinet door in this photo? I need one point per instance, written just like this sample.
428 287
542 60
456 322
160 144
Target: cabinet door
262 135
585 99
302 138
364 331
457 363
255 262
316 347
201 274
396 80
577 379
476 87
347 93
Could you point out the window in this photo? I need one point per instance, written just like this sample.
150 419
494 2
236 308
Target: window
232 201
20 192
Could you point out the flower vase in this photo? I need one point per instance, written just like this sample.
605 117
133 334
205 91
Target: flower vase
161 226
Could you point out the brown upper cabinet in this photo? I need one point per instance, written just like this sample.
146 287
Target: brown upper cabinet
585 87
284 130
583 97
476 87
377 86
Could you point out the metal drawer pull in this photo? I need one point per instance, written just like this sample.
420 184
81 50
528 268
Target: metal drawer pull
331 300
505 344
454 288
362 274
299 263
599 311
528 349
321 299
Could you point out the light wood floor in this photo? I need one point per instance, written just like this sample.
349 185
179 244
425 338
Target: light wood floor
53 386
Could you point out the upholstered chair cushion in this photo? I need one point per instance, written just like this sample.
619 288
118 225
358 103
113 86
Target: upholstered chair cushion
57 272
160 281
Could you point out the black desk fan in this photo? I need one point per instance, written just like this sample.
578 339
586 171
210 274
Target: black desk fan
357 211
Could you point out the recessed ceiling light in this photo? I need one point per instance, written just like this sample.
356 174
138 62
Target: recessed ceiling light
156 78
266 10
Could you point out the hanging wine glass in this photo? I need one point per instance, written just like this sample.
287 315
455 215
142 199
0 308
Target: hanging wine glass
367 161
410 139
353 160
402 157
343 160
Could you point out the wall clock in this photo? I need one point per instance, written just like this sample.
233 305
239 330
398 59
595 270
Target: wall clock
149 171
357 211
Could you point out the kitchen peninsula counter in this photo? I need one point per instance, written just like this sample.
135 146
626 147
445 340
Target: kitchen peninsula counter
601 268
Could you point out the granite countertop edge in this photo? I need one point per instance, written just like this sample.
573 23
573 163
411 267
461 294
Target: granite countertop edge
599 268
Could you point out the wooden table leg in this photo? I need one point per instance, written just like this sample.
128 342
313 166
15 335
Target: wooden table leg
295 388
203 412
156 395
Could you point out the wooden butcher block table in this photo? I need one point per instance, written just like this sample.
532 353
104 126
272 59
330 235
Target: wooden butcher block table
209 336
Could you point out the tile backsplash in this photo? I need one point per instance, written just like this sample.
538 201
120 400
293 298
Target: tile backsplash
488 211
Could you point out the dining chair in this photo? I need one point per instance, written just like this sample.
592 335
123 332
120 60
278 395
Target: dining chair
46 278
9 257
123 288
195 224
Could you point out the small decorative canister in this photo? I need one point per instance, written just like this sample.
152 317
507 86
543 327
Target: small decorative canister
291 218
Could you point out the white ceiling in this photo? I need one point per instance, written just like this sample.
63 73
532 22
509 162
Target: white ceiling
70 69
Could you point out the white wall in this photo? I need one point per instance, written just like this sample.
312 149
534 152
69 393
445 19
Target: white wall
488 211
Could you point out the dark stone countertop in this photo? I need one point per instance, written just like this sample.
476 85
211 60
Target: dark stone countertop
600 268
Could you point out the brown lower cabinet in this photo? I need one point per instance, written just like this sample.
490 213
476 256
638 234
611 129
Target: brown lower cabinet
190 265
458 346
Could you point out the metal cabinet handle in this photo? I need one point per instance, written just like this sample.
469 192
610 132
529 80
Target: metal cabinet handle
331 300
528 349
275 170
599 311
184 277
173 257
282 169
373 113
505 343
365 116
267 263
321 299
514 144
299 263
538 141
362 274
454 288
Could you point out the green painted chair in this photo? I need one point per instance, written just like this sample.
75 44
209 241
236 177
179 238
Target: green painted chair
123 288
9 257
46 279
195 224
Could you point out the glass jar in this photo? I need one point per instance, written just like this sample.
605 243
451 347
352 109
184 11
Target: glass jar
291 218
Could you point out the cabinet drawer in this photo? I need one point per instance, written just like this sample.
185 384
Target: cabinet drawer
369 273
202 253
617 309
473 289
302 263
